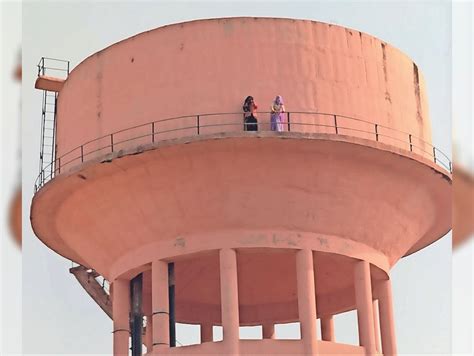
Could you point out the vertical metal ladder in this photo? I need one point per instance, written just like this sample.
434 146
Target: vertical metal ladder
50 70
48 132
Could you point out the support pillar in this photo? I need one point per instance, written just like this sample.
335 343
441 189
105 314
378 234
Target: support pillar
365 314
206 333
387 325
307 300
327 329
120 313
160 306
375 306
268 330
229 299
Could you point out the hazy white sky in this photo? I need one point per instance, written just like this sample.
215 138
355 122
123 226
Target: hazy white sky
59 317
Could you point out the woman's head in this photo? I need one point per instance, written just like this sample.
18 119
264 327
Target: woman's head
278 100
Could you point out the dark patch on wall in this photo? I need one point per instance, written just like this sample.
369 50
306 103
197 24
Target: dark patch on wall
99 93
181 47
416 82
82 177
132 60
385 72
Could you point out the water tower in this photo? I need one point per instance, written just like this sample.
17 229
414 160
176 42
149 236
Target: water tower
155 185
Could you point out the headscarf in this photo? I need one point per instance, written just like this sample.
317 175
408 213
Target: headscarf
278 100
247 101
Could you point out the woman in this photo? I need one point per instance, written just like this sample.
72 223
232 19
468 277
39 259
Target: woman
250 113
277 118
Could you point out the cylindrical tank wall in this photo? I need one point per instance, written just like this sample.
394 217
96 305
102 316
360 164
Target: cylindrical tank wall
210 66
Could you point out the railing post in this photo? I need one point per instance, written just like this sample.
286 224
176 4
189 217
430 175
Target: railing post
59 165
197 123
82 153
289 126
153 132
376 132
411 146
112 142
434 154
335 124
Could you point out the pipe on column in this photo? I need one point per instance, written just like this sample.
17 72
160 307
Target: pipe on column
147 312
268 330
365 314
120 313
307 300
375 306
149 334
136 286
206 333
387 324
160 306
229 299
172 314
327 329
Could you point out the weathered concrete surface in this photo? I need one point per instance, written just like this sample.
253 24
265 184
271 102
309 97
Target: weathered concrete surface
210 66
182 199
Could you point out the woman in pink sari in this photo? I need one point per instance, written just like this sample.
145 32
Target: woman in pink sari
277 118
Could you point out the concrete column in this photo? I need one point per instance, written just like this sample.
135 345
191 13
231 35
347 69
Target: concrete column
387 325
268 330
327 329
307 300
160 306
375 306
206 333
365 314
229 299
120 313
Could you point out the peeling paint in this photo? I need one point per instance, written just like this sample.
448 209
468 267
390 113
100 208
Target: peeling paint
385 72
180 242
416 82
323 241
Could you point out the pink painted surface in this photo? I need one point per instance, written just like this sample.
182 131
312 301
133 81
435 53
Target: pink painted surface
266 347
210 66
49 83
120 216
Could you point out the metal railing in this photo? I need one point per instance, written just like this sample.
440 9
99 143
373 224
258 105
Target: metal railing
195 125
58 66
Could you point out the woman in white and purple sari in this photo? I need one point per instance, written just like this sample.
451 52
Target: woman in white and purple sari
278 116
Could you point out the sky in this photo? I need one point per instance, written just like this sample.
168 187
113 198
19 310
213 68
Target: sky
60 318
